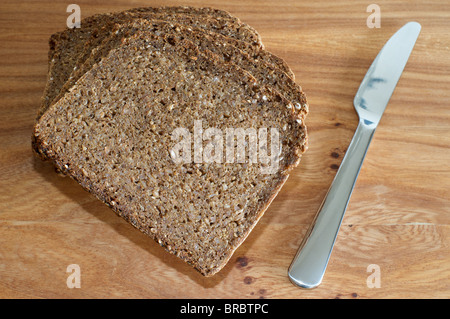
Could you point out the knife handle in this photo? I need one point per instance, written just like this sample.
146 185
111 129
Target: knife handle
309 265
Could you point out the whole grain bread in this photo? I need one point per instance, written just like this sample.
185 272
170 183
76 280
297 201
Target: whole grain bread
74 46
94 23
65 46
113 132
264 72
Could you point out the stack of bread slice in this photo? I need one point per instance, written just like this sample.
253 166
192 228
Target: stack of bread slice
138 108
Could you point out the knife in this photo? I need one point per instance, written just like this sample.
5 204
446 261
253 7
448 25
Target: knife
308 266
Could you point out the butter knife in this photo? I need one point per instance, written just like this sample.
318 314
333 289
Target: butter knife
309 265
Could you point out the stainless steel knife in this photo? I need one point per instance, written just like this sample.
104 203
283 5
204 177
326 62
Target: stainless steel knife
309 265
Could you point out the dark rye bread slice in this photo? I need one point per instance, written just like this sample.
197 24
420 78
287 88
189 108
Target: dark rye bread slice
114 133
66 45
265 73
59 73
187 10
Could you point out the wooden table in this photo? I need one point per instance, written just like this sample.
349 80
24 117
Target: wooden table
398 217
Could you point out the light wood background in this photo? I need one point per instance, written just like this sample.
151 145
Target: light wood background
398 217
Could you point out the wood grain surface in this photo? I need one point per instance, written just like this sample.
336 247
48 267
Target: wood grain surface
398 217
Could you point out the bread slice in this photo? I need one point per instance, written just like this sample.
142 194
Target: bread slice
265 73
74 46
116 133
66 45
225 23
